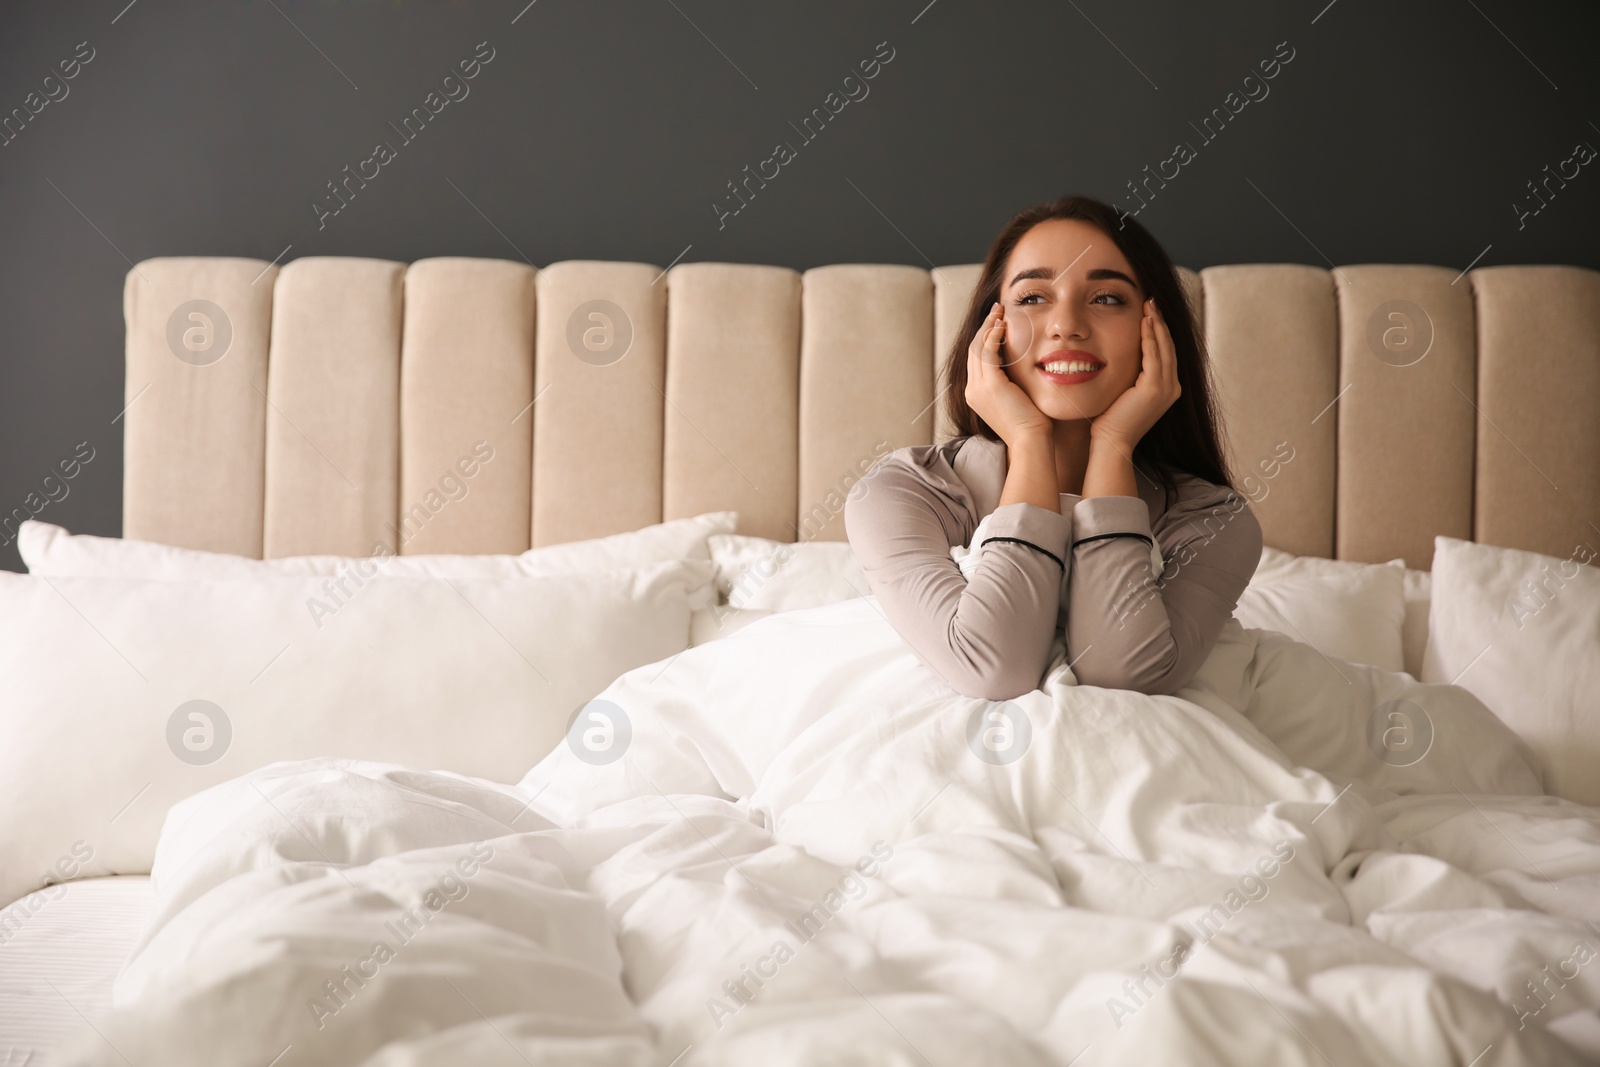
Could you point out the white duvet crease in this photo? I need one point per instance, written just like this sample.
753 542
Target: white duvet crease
797 845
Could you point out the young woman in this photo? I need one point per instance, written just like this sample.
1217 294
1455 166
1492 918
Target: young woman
1086 434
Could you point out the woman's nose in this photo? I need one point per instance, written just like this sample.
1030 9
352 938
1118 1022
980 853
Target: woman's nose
1063 321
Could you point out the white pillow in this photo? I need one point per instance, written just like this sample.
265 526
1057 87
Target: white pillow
1521 631
52 551
476 676
1349 611
759 574
1414 631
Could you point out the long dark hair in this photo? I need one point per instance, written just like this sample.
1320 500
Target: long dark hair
1185 438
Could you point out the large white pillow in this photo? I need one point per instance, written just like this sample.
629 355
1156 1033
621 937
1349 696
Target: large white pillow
476 676
1521 631
1350 611
52 551
760 574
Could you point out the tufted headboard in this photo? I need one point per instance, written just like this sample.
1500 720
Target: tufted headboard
334 403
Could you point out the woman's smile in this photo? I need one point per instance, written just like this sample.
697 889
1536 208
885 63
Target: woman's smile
1070 366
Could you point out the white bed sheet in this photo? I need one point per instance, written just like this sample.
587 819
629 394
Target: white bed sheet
60 949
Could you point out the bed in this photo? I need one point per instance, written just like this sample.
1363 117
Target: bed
610 758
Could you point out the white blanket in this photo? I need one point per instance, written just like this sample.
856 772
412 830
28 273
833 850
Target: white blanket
796 845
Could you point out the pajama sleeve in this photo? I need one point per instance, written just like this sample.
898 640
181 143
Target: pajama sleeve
1129 628
989 637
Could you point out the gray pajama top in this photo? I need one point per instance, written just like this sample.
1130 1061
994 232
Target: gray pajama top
1086 571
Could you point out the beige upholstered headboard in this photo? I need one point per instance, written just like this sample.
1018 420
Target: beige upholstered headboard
335 403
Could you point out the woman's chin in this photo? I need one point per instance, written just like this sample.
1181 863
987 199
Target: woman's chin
1062 409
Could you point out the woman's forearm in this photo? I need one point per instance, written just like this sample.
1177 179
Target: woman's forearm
1110 471
1031 474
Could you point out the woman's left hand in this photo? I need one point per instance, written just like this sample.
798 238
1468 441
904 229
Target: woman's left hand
1131 415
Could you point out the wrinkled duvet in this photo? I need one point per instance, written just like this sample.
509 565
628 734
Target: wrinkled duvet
796 845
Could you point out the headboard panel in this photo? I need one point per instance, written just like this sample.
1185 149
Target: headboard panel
598 417
1273 335
194 436
339 402
1538 427
733 394
466 375
1408 416
333 406
866 376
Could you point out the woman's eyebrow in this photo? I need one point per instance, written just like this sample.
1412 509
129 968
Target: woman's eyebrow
1033 272
1098 274
1103 273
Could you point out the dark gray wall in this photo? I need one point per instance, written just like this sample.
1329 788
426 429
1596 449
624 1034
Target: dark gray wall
1397 133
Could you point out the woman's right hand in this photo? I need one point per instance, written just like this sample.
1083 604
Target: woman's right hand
997 399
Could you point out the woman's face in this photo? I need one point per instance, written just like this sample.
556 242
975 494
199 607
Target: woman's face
1072 308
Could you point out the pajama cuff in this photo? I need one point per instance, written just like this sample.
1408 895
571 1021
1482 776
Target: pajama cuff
1099 518
1044 530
